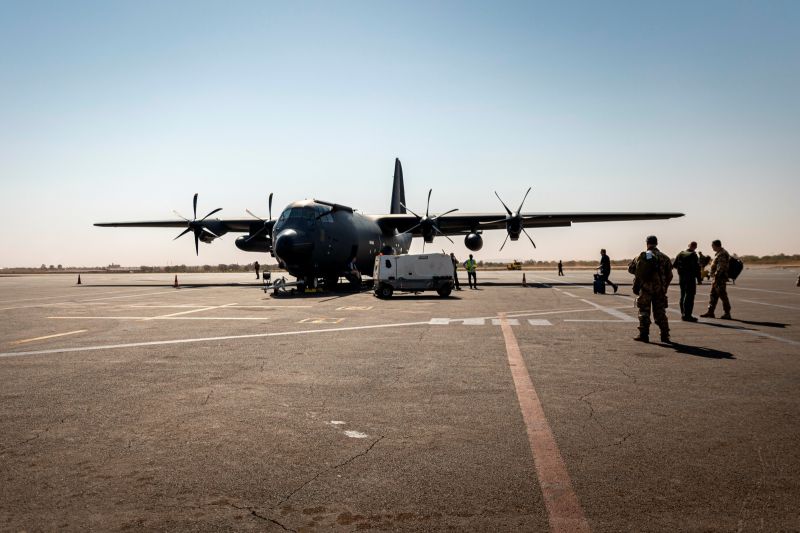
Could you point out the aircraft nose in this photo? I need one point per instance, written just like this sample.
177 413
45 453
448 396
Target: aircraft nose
292 247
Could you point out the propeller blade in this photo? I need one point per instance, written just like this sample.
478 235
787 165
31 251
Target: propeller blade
194 203
529 237
445 213
211 213
530 217
270 206
410 230
206 230
427 208
257 234
196 244
493 221
504 242
183 217
409 210
504 204
437 230
523 200
254 215
184 232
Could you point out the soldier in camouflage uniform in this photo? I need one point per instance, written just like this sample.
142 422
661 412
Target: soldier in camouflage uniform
653 274
719 290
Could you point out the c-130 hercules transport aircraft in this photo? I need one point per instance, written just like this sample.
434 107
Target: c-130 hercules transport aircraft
315 239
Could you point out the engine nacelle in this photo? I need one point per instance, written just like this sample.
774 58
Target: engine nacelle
256 245
473 241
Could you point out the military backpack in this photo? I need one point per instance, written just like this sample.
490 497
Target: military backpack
735 267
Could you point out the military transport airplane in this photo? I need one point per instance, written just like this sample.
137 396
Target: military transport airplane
315 239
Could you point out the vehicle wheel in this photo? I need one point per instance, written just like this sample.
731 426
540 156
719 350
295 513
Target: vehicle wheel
385 291
444 291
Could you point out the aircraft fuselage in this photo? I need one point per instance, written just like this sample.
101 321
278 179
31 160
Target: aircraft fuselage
313 240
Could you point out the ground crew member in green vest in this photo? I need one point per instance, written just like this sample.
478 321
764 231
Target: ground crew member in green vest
719 289
471 267
653 273
688 266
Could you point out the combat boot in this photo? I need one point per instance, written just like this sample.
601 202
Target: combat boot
709 314
726 316
642 337
665 338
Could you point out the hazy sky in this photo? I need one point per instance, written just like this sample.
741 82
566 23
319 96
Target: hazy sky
123 110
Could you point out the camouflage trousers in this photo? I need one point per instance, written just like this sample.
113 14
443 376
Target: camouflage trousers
658 302
719 291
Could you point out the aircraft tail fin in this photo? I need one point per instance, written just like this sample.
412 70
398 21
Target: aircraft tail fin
398 190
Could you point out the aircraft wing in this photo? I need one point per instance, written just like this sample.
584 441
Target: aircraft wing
466 222
235 225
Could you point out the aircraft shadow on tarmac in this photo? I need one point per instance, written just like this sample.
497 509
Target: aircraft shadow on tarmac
699 351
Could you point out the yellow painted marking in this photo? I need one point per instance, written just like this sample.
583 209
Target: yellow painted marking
23 341
321 320
354 308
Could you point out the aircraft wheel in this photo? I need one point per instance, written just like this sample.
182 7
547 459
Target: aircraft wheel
444 291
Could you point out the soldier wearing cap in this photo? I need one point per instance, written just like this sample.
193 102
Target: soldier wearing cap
653 273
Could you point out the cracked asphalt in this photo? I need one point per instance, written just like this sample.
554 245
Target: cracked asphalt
129 405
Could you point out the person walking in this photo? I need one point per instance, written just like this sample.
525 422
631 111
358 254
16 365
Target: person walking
719 289
652 272
257 267
605 269
688 266
471 267
455 270
560 268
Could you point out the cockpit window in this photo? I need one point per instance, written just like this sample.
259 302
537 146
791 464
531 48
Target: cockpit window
295 213
323 213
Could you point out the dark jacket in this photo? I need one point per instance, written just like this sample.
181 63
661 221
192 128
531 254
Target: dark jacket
605 265
688 265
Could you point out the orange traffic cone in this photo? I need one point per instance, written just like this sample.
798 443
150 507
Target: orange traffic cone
176 282
79 280
524 283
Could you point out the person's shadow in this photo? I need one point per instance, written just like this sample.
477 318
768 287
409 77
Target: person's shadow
757 323
698 351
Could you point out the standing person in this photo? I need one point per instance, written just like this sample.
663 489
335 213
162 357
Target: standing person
257 267
605 269
471 267
560 268
653 273
719 289
688 266
455 270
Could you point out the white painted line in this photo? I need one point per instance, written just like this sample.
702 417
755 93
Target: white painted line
473 321
569 294
439 321
510 321
55 297
539 322
208 339
736 287
356 434
337 422
611 311
198 310
23 341
134 295
771 305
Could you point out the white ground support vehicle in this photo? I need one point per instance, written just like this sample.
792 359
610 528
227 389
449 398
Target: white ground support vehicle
413 273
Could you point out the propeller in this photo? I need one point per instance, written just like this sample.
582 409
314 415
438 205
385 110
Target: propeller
265 226
196 226
428 223
514 218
